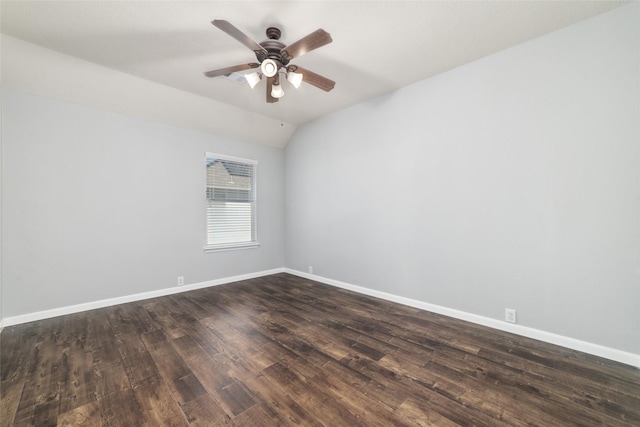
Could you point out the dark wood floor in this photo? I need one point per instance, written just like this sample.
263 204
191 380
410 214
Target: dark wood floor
282 350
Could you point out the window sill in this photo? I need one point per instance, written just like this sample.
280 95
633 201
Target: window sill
232 247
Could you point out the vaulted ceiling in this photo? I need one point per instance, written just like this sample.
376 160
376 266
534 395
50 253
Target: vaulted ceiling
378 46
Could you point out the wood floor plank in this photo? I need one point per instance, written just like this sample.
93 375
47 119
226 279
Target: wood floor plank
137 361
211 373
77 387
283 350
110 379
204 411
199 332
15 361
161 314
157 403
235 397
282 404
99 330
41 394
121 409
179 378
10 400
85 415
366 409
257 416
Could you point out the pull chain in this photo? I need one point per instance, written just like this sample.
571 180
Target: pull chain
281 114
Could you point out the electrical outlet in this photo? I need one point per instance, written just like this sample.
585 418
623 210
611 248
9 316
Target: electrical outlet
310 269
180 280
510 315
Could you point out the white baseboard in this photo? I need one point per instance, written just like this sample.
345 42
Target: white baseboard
583 346
46 314
574 344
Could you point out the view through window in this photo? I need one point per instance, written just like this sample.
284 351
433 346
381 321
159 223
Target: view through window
231 202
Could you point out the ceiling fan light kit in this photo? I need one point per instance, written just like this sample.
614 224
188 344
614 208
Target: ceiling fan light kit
274 57
276 90
294 78
269 67
253 79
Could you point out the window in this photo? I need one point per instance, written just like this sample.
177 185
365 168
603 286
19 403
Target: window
231 203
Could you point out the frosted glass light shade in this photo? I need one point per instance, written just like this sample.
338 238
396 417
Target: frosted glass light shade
294 78
276 91
253 79
269 67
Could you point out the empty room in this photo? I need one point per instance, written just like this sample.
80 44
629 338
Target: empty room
320 213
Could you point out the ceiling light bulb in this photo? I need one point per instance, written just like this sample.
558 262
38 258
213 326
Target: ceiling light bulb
294 78
269 67
276 91
253 79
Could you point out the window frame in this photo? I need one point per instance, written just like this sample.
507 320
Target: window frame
254 214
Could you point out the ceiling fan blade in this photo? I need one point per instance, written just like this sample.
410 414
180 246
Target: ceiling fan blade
229 70
312 78
306 44
270 98
228 28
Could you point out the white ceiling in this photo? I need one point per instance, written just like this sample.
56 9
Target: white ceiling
378 46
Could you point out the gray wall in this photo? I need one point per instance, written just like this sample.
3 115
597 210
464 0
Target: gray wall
1 198
511 182
100 205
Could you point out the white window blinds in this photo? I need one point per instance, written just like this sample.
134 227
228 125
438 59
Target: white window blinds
231 202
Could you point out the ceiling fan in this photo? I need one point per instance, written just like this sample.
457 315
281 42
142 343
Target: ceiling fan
273 60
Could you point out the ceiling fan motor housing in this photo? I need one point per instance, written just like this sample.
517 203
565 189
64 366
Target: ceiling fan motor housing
273 47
